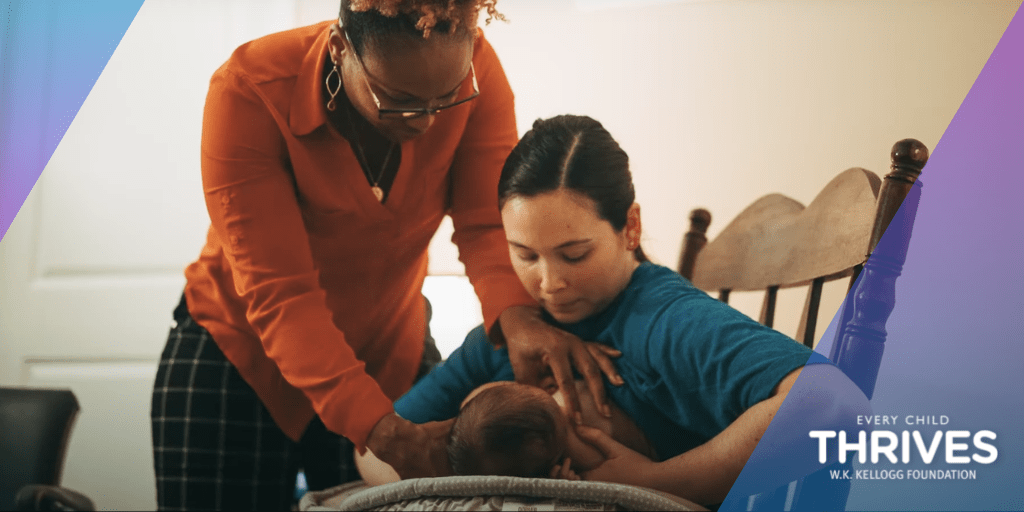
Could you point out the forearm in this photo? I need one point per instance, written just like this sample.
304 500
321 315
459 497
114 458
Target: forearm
706 473
825 400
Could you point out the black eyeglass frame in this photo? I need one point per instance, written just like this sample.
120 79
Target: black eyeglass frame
407 113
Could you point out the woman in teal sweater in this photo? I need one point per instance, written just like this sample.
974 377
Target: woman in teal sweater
701 380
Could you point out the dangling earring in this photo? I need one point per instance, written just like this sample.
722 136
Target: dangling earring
331 105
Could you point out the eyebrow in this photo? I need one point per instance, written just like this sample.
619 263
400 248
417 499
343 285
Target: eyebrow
562 246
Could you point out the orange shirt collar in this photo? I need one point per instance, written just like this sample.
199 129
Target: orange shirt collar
307 105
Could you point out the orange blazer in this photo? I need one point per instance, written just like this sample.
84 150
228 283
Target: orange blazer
309 286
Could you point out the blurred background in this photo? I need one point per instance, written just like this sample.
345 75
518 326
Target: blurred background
716 102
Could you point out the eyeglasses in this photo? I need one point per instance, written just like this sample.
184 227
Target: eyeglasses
409 113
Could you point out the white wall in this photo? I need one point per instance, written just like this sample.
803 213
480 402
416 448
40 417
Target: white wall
720 102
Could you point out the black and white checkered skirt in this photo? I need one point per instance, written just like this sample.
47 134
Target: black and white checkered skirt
215 445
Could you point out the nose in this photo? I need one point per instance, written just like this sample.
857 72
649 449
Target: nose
551 280
420 124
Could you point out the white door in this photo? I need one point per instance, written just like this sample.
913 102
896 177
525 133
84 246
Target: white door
92 266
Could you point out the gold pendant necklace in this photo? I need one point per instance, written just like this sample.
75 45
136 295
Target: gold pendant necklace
375 188
365 164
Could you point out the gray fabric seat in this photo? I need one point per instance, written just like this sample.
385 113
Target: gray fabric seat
492 493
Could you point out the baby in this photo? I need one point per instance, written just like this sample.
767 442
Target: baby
505 428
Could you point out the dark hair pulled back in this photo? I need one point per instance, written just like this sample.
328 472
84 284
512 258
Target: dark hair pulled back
575 153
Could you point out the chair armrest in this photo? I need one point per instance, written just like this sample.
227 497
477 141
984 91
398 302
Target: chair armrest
51 497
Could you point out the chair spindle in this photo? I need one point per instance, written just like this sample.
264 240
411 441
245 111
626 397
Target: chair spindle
861 337
809 317
768 306
694 241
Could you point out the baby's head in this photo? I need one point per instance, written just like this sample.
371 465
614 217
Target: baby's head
508 429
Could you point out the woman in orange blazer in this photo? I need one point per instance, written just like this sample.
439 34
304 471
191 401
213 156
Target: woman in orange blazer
330 155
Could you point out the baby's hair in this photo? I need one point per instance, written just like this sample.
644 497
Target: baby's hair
372 19
503 431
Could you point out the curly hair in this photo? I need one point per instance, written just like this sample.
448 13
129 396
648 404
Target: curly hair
372 19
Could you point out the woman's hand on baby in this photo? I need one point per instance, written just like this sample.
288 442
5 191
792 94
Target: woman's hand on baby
564 471
402 444
621 465
537 350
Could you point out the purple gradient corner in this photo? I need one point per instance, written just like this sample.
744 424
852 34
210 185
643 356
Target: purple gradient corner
51 54
955 344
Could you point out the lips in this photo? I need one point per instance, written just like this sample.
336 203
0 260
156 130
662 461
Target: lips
561 306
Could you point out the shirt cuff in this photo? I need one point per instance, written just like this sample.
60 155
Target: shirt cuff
355 414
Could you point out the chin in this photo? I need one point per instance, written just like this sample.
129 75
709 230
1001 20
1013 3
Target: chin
401 135
569 317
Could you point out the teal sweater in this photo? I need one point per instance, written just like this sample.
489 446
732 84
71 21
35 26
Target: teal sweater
691 364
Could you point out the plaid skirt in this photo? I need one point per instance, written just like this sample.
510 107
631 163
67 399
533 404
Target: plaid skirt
215 446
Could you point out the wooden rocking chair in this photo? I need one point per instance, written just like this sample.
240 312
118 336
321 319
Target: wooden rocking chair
777 243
